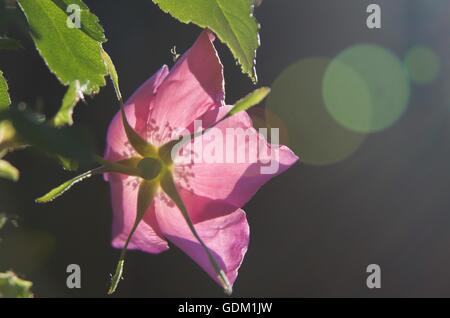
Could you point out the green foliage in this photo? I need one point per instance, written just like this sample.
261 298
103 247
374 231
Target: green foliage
7 134
252 99
90 24
231 20
8 171
74 55
70 100
69 52
4 95
12 286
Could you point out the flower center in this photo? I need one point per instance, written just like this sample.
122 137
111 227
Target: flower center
150 168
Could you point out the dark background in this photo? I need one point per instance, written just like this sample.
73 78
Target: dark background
314 229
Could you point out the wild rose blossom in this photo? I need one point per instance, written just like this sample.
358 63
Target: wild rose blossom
212 193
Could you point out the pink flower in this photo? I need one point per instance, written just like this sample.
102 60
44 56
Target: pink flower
213 193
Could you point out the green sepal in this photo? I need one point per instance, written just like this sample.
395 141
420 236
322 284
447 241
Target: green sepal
60 190
146 194
127 166
141 146
252 99
168 185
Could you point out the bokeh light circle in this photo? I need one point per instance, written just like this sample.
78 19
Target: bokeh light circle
296 100
366 88
422 64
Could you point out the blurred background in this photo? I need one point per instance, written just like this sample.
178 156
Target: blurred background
368 112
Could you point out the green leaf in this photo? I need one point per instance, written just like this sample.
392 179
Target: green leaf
168 185
66 186
146 193
9 44
4 95
8 171
70 53
231 20
74 55
64 115
12 286
90 24
8 137
252 99
112 73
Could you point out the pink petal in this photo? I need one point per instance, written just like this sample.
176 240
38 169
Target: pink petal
227 237
231 181
124 202
137 109
204 208
194 86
